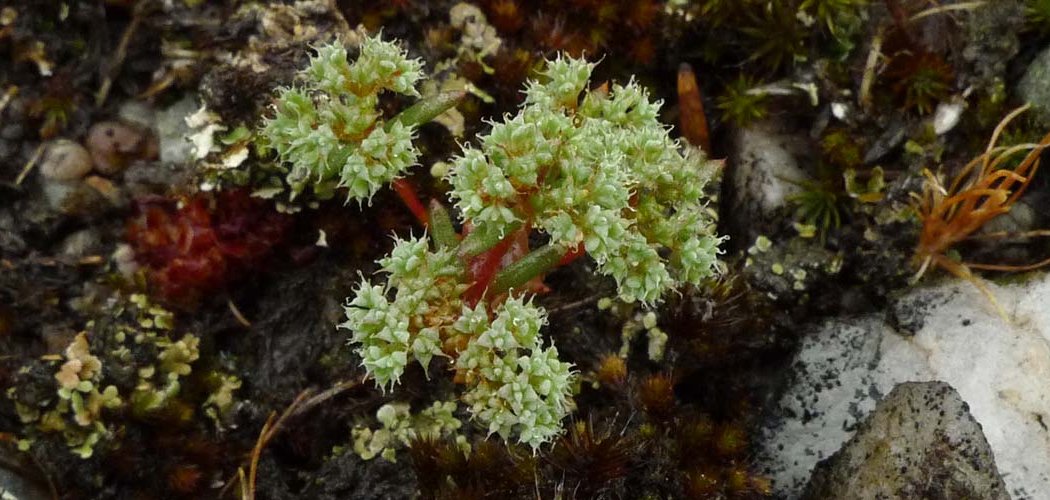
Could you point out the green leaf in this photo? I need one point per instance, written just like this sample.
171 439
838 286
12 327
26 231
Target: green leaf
535 264
484 237
441 230
427 109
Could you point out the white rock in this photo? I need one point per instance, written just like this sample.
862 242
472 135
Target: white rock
137 113
840 110
1001 370
175 147
947 116
764 173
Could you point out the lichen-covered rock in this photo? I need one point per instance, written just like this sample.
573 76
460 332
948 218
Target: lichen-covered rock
991 40
920 442
952 334
125 363
788 270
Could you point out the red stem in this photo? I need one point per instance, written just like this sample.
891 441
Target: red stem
407 192
571 255
485 267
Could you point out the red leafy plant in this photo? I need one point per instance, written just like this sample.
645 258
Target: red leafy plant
203 243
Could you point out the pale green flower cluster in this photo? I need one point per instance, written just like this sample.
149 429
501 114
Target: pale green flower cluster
328 129
600 172
426 301
597 172
515 386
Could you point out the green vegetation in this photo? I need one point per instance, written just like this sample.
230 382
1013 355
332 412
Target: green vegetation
598 174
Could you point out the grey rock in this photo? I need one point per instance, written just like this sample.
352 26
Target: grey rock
12 132
14 483
137 113
1021 217
145 178
832 388
12 241
920 442
175 147
1033 88
949 332
764 174
81 244
887 142
991 40
790 269
74 198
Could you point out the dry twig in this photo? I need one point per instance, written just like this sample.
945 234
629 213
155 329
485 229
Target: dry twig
304 402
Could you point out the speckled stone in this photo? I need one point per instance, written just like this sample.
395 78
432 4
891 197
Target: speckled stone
920 442
764 175
946 332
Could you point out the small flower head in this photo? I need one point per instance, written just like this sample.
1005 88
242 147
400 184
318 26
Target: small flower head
599 172
328 130
389 333
517 388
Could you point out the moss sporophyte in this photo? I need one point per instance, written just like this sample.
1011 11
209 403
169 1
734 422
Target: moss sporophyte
593 171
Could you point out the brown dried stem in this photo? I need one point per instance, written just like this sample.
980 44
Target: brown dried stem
981 191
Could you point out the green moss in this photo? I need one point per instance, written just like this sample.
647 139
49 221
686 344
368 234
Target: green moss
819 205
773 35
123 365
1037 15
742 102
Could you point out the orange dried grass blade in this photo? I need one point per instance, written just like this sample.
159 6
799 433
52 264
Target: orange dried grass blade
999 130
963 178
975 196
997 179
1008 234
1010 268
992 191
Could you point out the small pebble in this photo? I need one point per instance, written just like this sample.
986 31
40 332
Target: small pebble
65 161
81 244
124 258
75 198
106 188
12 132
114 145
